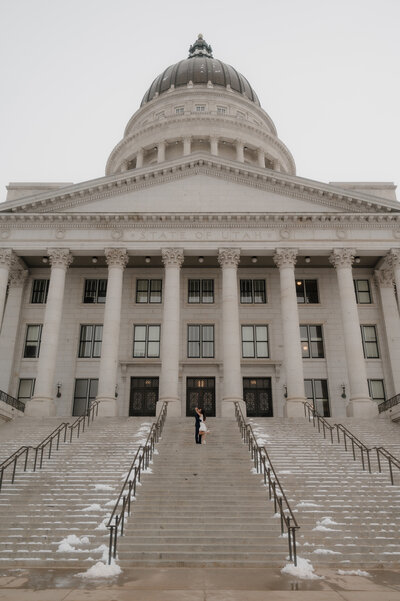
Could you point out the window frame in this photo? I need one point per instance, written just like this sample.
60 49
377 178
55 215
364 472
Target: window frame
96 296
24 399
200 340
370 389
146 340
88 397
38 340
202 293
253 292
304 289
309 339
369 342
255 342
150 290
358 292
314 398
42 294
91 342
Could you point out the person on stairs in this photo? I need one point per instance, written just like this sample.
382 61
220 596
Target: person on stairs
197 436
203 430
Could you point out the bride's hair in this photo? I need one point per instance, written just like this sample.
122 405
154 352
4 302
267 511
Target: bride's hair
203 413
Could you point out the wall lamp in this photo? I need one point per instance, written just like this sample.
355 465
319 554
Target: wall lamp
58 390
343 395
357 260
307 259
45 259
254 259
147 259
285 391
201 259
116 391
94 260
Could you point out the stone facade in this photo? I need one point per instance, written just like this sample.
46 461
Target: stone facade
189 196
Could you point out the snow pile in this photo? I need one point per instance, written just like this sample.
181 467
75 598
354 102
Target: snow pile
92 507
102 525
326 552
68 544
103 487
322 525
304 569
101 570
354 573
307 504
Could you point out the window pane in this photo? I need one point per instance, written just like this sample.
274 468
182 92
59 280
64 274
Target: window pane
194 348
316 332
317 349
139 349
208 333
141 291
261 333
208 291
81 387
305 349
25 389
247 333
377 390
154 333
246 291
155 291
369 333
248 349
311 291
153 349
90 291
102 291
140 333
304 332
39 291
262 349
194 291
364 298
371 350
308 387
300 291
208 349
320 389
259 291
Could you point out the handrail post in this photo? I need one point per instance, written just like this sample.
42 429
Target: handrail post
379 459
110 544
15 467
391 471
115 537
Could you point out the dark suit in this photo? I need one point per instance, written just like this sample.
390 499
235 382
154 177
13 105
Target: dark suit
197 436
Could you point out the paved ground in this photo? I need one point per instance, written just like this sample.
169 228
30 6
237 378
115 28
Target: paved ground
198 584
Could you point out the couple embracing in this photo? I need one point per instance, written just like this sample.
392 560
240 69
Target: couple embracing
201 429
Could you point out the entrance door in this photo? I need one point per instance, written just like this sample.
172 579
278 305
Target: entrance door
257 395
144 396
200 392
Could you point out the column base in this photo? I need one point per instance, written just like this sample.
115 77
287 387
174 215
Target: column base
294 407
228 407
364 408
174 407
108 407
40 407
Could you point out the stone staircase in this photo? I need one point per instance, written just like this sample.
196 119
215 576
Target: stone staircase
374 433
202 505
348 517
24 431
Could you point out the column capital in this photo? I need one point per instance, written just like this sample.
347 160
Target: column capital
60 257
229 257
5 257
17 277
342 257
285 257
384 278
172 256
392 259
116 257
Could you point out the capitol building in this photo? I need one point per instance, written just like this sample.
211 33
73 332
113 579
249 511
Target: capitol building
200 270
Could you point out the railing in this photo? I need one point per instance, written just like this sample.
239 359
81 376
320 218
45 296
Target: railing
10 400
391 459
143 456
47 443
262 463
311 413
395 400
355 442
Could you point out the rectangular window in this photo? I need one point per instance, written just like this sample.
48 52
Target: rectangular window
377 390
255 342
317 393
85 392
370 342
307 291
146 341
95 291
148 291
90 341
200 108
32 341
201 291
221 110
252 291
26 389
312 346
40 289
179 110
201 341
363 292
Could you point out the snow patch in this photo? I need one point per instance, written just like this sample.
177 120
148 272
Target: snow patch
68 544
307 504
92 507
103 487
101 570
326 552
354 573
304 569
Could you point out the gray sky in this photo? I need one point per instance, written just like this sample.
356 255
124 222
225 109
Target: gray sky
72 73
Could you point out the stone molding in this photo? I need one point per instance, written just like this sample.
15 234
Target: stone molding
5 257
60 257
342 257
285 257
116 257
228 257
18 277
384 278
172 257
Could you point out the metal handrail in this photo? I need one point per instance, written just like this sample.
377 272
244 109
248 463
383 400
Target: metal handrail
355 442
260 457
143 456
94 407
310 412
10 400
389 403
392 461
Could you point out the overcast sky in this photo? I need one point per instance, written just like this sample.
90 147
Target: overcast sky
73 72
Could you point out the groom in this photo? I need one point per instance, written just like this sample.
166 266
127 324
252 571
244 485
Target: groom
197 436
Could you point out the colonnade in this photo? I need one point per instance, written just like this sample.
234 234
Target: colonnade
360 404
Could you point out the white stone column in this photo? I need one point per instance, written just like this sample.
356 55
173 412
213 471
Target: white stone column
161 152
393 261
214 146
229 259
360 404
42 403
5 263
8 336
170 329
239 151
384 280
139 158
285 259
261 157
187 146
116 258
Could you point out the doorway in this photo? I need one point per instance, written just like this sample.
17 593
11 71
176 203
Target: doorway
144 396
257 394
200 392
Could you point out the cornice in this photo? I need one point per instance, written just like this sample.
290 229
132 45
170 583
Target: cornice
263 179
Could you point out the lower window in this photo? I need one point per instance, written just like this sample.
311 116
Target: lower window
317 394
26 389
377 390
85 393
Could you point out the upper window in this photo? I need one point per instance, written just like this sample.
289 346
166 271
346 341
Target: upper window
377 390
40 289
95 291
221 110
26 389
146 341
90 341
148 291
179 110
252 291
370 342
84 394
201 341
363 292
200 108
312 346
255 342
201 291
307 291
317 392
32 341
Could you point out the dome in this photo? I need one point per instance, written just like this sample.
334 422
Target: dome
200 68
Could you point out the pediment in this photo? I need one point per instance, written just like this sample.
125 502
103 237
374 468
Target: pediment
201 187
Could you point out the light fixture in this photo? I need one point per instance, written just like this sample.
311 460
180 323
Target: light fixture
343 395
58 390
147 259
94 260
254 259
307 259
45 259
116 391
299 282
201 259
285 391
357 260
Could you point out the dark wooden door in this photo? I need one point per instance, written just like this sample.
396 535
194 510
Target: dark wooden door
144 396
257 395
200 392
